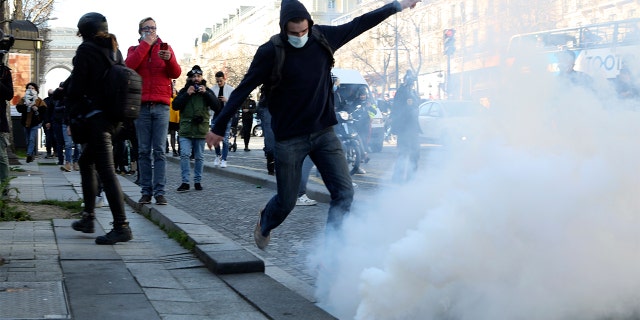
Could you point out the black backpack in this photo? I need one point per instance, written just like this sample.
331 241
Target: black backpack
122 90
276 73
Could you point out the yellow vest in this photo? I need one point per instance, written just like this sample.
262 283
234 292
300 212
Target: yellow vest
174 115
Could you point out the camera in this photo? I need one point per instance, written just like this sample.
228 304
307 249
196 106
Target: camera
197 120
5 45
196 87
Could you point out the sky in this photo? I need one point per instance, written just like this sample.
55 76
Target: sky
179 23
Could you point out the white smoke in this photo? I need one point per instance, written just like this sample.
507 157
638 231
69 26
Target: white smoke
537 218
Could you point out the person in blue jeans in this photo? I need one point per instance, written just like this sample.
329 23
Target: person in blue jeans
223 90
194 102
33 110
303 199
222 152
157 66
302 108
269 139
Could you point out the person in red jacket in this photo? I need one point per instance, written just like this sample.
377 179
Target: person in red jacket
154 60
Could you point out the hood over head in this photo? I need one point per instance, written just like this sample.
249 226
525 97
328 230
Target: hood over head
291 9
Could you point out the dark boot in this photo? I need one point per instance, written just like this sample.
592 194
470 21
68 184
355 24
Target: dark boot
120 233
85 224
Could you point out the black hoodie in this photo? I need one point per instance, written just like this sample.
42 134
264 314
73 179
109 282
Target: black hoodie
303 102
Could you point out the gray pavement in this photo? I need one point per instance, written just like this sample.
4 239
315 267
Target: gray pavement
54 272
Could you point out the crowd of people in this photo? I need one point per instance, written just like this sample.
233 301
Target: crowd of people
298 134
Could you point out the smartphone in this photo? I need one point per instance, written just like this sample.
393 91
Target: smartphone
164 46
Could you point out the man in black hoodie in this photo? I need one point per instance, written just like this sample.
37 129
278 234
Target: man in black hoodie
301 104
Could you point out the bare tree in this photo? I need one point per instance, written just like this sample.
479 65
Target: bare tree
36 11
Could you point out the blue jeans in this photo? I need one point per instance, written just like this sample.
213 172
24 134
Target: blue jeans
77 152
152 126
307 164
186 145
325 150
225 142
30 135
68 144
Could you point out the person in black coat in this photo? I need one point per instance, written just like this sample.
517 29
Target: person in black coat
248 109
405 115
84 93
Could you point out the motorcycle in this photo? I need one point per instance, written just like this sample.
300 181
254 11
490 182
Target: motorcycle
351 142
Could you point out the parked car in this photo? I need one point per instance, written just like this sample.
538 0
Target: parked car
256 127
448 121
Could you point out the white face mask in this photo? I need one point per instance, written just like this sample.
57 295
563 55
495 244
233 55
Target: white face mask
298 42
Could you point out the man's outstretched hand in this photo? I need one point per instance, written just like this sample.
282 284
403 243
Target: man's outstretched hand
212 139
409 3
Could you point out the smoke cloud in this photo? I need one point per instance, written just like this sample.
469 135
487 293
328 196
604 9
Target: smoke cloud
536 217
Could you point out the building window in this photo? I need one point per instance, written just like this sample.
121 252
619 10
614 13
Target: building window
331 4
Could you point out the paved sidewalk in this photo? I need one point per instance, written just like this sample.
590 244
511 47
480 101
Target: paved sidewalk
53 272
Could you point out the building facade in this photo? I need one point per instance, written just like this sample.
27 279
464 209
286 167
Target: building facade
413 40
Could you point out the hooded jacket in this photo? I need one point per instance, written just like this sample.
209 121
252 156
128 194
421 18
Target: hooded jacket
83 89
156 73
303 101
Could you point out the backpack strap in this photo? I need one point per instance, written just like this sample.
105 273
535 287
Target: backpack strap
276 73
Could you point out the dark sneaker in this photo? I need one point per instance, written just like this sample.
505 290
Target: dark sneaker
261 241
161 200
85 224
197 186
29 159
121 233
183 187
145 199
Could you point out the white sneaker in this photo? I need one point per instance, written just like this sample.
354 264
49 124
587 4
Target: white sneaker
99 202
223 163
303 200
216 161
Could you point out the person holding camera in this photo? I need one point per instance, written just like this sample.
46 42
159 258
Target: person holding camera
194 102
33 110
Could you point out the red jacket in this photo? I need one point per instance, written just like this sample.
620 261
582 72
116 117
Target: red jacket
156 73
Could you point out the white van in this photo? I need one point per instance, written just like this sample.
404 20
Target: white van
350 81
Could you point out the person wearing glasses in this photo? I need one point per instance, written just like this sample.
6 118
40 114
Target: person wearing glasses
154 60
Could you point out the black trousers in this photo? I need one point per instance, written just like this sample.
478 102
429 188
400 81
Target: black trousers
97 156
